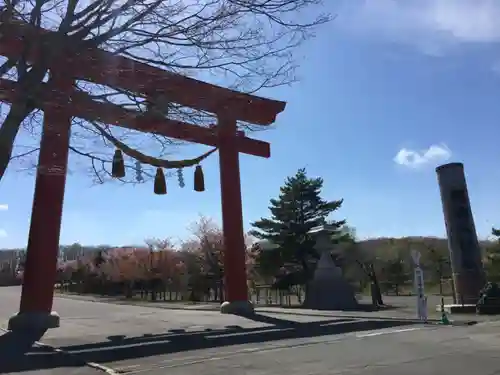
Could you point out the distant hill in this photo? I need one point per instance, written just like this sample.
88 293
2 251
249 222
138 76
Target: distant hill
383 247
387 247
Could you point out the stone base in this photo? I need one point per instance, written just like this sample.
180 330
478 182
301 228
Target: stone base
34 321
468 285
331 294
458 309
237 308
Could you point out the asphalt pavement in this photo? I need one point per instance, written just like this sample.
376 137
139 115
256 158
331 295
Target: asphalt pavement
98 336
409 351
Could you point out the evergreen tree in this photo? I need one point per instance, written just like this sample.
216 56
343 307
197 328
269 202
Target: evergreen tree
492 258
298 208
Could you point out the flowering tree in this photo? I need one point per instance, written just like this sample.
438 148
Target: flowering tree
251 261
196 266
207 243
169 266
65 270
163 261
122 265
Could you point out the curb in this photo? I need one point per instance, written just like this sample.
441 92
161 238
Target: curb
459 323
141 304
93 365
264 310
416 321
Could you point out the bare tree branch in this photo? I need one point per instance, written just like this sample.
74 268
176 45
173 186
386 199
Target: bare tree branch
246 45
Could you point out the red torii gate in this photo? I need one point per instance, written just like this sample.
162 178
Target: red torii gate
60 102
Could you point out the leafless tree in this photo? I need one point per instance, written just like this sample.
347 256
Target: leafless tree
241 44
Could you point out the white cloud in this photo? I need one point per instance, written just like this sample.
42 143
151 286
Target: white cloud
415 159
495 67
3 207
430 25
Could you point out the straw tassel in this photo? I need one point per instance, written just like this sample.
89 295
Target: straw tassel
118 165
199 179
160 182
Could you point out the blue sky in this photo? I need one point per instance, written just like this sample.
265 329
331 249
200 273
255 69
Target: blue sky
388 91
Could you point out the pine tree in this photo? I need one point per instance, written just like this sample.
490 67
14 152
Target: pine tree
492 258
297 210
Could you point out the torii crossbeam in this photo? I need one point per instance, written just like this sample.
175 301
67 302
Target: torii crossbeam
60 102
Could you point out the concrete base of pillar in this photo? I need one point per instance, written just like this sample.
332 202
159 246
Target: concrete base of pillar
237 308
34 321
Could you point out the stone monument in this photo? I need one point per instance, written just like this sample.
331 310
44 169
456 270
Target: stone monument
463 245
328 289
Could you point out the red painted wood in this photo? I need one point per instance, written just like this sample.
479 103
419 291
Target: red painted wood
232 214
103 67
99 66
43 240
84 107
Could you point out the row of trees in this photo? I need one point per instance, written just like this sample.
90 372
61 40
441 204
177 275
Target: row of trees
244 45
249 44
279 252
190 269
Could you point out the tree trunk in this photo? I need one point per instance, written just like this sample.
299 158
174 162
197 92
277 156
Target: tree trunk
8 132
440 275
376 289
152 289
373 292
220 287
19 110
128 290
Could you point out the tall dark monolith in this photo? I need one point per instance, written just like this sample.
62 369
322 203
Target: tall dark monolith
463 245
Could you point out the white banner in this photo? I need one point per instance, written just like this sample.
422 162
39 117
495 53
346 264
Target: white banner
419 287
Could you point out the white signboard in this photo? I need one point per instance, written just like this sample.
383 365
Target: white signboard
419 287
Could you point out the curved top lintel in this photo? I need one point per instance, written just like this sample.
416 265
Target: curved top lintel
117 71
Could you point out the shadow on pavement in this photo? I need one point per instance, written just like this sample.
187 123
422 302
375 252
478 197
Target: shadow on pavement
360 308
16 347
119 348
336 315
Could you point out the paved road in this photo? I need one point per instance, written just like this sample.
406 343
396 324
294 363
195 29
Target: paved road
144 340
427 351
410 351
